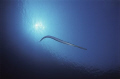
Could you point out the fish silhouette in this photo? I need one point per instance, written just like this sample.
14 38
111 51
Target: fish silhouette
61 41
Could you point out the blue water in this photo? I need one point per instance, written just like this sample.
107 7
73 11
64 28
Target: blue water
90 24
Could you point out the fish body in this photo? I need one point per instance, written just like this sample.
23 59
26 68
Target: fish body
61 41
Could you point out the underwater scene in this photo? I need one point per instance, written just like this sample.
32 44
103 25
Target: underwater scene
60 39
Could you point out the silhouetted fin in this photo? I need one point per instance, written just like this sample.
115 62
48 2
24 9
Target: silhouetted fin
61 41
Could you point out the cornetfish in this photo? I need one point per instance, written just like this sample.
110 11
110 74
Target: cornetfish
61 41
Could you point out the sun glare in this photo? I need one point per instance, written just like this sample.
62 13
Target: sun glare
39 26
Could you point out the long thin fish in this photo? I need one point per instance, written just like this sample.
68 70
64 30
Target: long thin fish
61 41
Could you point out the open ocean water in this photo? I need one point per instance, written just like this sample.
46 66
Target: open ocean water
94 25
